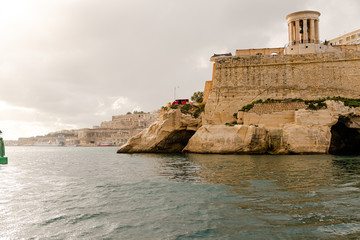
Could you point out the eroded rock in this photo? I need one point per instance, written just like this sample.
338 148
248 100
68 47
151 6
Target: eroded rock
228 139
288 132
169 134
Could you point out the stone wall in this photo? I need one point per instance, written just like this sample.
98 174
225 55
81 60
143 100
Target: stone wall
265 108
90 137
260 51
208 87
240 80
128 121
347 47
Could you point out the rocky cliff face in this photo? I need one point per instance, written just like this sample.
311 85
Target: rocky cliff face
332 130
169 134
308 132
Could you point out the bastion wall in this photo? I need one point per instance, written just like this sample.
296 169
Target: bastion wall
240 80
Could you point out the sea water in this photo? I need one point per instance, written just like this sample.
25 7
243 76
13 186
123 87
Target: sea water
94 193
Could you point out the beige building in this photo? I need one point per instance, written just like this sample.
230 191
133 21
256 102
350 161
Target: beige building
351 38
122 136
117 131
136 120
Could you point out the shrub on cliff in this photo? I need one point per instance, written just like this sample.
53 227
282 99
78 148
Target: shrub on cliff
185 108
198 111
312 104
350 102
191 109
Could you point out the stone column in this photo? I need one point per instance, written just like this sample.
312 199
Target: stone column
312 30
297 31
290 34
305 31
317 30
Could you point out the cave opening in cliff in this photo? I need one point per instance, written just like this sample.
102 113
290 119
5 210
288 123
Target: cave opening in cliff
175 142
344 140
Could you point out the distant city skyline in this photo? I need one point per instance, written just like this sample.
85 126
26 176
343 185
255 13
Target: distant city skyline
68 64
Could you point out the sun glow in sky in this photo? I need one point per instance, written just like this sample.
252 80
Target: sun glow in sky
68 64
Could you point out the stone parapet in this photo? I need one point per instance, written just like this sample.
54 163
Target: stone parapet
260 51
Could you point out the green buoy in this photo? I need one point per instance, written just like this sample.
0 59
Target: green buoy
3 159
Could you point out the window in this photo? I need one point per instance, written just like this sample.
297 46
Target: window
340 41
353 36
348 39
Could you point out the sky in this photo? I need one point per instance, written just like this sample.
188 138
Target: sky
70 64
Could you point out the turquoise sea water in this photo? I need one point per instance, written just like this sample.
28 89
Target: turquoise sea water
94 193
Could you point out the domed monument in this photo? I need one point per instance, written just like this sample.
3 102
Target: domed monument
303 29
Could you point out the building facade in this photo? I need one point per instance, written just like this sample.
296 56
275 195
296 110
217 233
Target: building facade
351 38
115 132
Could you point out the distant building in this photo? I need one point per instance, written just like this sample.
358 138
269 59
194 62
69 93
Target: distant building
115 132
351 38
53 138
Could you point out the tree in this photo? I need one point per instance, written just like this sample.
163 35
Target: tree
137 112
197 97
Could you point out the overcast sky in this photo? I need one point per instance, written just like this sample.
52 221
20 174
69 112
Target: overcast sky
68 64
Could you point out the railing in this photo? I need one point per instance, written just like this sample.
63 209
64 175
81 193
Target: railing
304 42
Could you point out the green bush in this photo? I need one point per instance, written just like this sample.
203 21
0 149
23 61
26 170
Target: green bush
312 104
185 108
199 110
350 102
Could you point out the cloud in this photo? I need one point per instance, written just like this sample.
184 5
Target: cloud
120 103
82 61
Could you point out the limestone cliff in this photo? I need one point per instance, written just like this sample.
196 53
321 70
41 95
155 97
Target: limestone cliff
335 129
170 133
298 131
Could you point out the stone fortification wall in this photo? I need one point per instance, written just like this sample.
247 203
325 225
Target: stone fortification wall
208 87
239 80
117 124
355 47
129 121
265 108
260 51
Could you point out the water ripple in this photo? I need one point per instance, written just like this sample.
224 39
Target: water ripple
67 193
